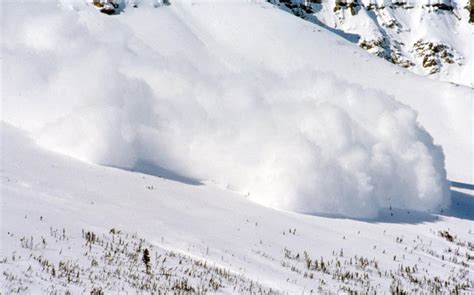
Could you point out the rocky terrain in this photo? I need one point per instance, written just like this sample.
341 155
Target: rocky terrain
428 37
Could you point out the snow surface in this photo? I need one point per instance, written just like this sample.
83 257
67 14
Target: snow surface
225 100
221 104
43 190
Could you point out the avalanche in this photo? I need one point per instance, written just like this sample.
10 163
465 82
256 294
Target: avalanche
161 86
165 127
51 203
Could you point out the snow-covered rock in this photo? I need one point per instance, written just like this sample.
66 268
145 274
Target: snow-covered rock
393 29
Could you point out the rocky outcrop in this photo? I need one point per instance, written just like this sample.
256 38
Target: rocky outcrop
352 5
470 8
440 4
382 47
378 47
386 29
401 4
106 6
112 7
434 55
431 56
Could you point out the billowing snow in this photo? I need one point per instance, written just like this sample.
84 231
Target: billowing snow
154 86
217 103
50 201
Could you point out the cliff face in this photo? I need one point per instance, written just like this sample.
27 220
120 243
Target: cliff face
429 37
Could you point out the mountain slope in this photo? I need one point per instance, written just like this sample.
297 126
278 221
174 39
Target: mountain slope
141 87
47 196
432 38
213 107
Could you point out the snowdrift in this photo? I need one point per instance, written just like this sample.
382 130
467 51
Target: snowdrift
206 90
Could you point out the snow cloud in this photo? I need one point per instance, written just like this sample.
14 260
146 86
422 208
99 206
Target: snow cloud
303 141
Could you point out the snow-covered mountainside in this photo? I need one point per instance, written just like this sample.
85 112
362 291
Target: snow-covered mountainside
430 37
166 125
78 227
213 100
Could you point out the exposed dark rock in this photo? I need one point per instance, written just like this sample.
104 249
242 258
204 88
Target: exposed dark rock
106 6
108 10
382 47
401 4
352 5
434 55
443 7
470 8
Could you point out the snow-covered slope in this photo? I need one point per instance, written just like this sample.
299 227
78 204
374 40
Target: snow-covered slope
194 89
432 38
219 104
52 204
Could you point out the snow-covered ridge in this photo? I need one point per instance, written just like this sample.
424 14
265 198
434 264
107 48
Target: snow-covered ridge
393 30
390 29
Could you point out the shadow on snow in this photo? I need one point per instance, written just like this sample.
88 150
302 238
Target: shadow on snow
158 171
462 207
462 204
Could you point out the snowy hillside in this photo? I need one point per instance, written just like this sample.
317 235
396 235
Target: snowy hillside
51 202
431 37
172 123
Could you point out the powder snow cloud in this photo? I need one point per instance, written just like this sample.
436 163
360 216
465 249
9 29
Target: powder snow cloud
299 140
